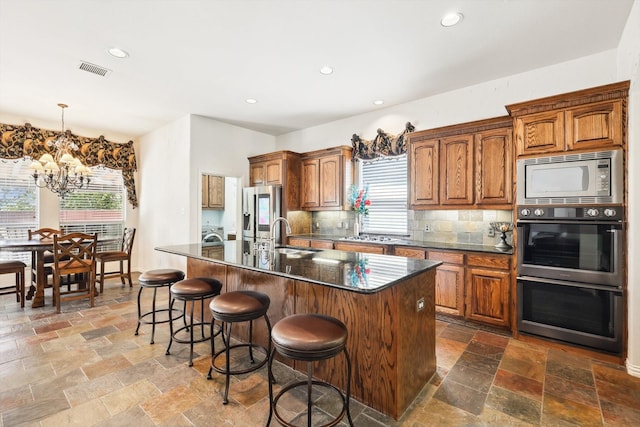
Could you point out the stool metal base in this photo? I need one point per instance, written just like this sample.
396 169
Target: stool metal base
190 327
309 383
227 371
142 317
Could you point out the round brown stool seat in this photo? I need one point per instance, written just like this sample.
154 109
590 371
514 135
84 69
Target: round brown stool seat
234 307
155 279
192 290
16 267
309 338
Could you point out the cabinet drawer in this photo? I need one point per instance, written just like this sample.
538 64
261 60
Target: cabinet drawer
322 244
303 243
489 261
448 257
410 253
371 249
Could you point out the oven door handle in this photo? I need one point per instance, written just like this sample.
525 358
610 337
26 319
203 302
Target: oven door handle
617 289
617 224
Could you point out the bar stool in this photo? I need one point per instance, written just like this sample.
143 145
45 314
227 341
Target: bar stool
309 338
234 307
155 279
192 290
16 267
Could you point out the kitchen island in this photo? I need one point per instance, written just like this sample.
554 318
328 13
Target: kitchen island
386 302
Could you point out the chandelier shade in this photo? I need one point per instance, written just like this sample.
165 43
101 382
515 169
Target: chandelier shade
62 173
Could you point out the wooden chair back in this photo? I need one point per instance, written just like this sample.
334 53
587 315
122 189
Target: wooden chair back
43 233
127 240
74 254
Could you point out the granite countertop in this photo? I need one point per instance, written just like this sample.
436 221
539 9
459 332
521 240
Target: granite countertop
352 271
424 244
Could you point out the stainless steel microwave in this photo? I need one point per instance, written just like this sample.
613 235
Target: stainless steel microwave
583 178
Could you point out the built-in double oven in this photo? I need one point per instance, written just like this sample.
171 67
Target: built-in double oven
571 278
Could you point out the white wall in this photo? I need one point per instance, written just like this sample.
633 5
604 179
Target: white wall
629 69
170 163
487 100
163 194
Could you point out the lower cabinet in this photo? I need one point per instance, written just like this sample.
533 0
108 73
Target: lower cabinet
299 242
470 285
488 283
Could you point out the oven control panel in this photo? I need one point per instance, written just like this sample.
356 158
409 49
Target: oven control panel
601 213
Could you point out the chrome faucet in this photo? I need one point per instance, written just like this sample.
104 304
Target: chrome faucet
273 229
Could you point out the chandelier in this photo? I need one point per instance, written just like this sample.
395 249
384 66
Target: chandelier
61 173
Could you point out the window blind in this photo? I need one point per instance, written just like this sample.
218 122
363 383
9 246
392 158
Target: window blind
387 181
99 208
18 204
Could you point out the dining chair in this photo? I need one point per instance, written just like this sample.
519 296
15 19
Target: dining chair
17 268
43 234
123 255
74 254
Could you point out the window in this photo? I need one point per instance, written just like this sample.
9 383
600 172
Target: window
99 208
18 204
387 181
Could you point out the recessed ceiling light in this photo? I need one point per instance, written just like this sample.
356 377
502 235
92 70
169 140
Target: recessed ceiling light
117 52
251 101
378 102
326 70
451 19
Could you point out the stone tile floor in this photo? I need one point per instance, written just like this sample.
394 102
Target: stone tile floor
86 367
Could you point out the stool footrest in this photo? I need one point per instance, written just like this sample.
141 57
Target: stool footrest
165 310
291 386
254 366
202 325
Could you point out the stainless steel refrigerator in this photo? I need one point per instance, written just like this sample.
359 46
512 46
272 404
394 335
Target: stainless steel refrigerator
260 207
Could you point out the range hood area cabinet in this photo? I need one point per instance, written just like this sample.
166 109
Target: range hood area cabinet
591 119
212 191
467 165
278 168
327 176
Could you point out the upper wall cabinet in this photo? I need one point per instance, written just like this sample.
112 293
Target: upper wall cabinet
213 191
278 168
466 165
584 120
326 178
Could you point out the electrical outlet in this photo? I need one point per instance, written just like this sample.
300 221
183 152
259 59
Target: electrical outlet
427 228
420 305
491 232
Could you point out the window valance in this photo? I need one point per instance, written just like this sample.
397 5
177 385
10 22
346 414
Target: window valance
17 142
383 145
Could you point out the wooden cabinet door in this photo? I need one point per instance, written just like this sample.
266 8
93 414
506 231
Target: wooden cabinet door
456 170
256 174
330 181
494 159
205 191
487 298
594 126
450 289
273 172
424 173
216 191
310 194
540 133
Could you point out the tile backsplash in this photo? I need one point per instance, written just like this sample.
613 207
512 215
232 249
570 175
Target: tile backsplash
449 226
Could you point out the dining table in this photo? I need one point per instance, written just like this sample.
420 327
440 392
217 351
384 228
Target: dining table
38 248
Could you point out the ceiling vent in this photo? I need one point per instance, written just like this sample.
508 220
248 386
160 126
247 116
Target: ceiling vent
95 69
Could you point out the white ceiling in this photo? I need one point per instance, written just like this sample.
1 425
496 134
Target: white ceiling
207 56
